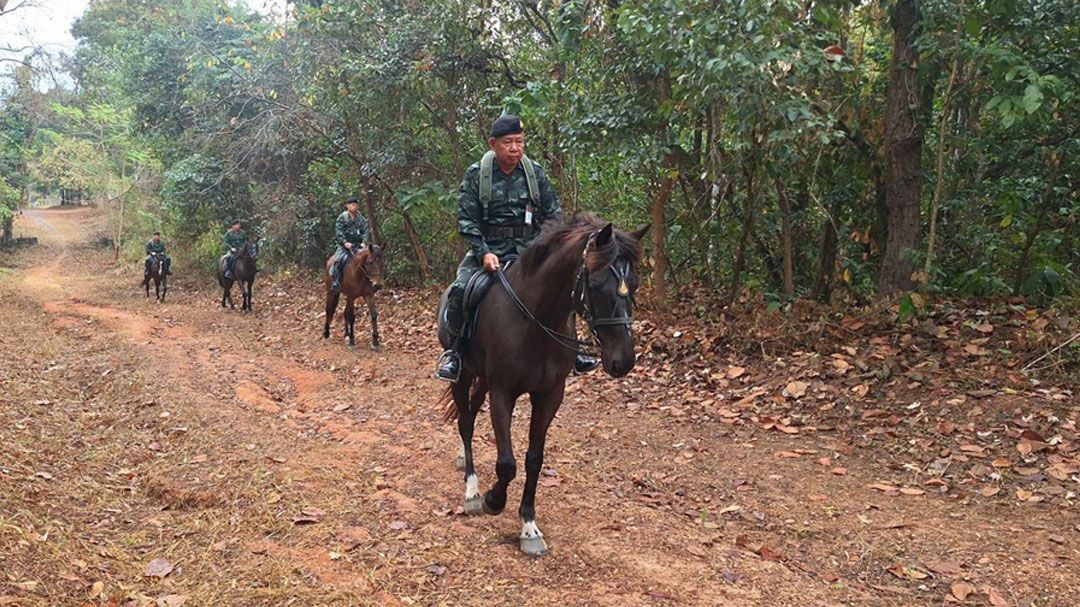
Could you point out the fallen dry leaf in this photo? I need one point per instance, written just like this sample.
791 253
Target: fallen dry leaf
795 389
961 590
158 568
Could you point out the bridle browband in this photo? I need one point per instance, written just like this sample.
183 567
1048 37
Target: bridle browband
581 294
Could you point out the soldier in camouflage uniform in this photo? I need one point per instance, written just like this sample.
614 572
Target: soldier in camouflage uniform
504 226
234 239
350 232
156 246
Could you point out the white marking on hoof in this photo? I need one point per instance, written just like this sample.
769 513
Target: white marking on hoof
530 531
472 487
532 541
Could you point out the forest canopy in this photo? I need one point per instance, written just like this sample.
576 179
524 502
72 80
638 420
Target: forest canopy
833 150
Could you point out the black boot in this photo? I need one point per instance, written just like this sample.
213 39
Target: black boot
449 367
336 285
583 364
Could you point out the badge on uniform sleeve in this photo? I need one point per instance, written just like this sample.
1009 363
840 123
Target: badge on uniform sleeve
528 214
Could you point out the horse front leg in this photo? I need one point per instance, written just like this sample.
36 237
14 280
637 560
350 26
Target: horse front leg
164 287
502 411
350 320
245 288
544 407
374 314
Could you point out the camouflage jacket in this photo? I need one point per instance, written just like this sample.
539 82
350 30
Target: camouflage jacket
155 247
350 229
235 240
509 197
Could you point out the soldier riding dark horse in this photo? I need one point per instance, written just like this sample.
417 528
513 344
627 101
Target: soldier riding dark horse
237 265
522 342
156 268
505 198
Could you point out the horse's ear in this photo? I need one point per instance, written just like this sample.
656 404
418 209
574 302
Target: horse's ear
639 233
603 237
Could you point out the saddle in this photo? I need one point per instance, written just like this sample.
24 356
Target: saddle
475 290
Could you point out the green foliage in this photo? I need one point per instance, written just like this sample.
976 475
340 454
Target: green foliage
737 106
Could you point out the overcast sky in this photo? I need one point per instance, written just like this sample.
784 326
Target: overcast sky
47 23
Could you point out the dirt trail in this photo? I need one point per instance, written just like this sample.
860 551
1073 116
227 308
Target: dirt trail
271 467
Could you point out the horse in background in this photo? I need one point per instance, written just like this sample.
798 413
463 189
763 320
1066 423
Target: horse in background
243 274
362 277
158 275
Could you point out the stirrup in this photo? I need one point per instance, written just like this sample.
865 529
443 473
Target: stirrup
445 369
336 286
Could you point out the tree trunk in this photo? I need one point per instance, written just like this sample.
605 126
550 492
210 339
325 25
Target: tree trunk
659 238
939 170
1045 202
829 242
748 222
786 240
373 218
418 248
903 153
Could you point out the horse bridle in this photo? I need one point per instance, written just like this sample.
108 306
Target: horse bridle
621 270
363 265
585 299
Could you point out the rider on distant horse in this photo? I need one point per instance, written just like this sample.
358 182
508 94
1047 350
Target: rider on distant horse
235 239
156 246
499 213
350 232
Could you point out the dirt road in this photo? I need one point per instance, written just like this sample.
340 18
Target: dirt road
180 454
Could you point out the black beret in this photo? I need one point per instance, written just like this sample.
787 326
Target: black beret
157 233
351 199
506 125
234 222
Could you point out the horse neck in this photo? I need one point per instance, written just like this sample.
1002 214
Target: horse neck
356 267
546 290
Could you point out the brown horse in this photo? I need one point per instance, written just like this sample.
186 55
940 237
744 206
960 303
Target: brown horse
523 344
243 272
362 277
158 275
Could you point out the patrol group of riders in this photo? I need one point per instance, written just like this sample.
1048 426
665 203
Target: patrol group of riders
504 199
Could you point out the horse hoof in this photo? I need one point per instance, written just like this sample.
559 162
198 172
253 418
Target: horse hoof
533 546
474 506
459 463
489 510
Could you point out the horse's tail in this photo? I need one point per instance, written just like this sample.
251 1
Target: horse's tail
478 392
447 404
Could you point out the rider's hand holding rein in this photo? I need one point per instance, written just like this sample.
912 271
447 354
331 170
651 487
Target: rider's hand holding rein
491 262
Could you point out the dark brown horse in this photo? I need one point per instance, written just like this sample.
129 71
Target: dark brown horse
523 344
243 273
362 277
158 275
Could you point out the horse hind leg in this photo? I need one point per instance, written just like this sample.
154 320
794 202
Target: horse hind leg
474 502
331 309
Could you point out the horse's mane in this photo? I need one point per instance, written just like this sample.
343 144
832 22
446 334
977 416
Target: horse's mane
557 233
